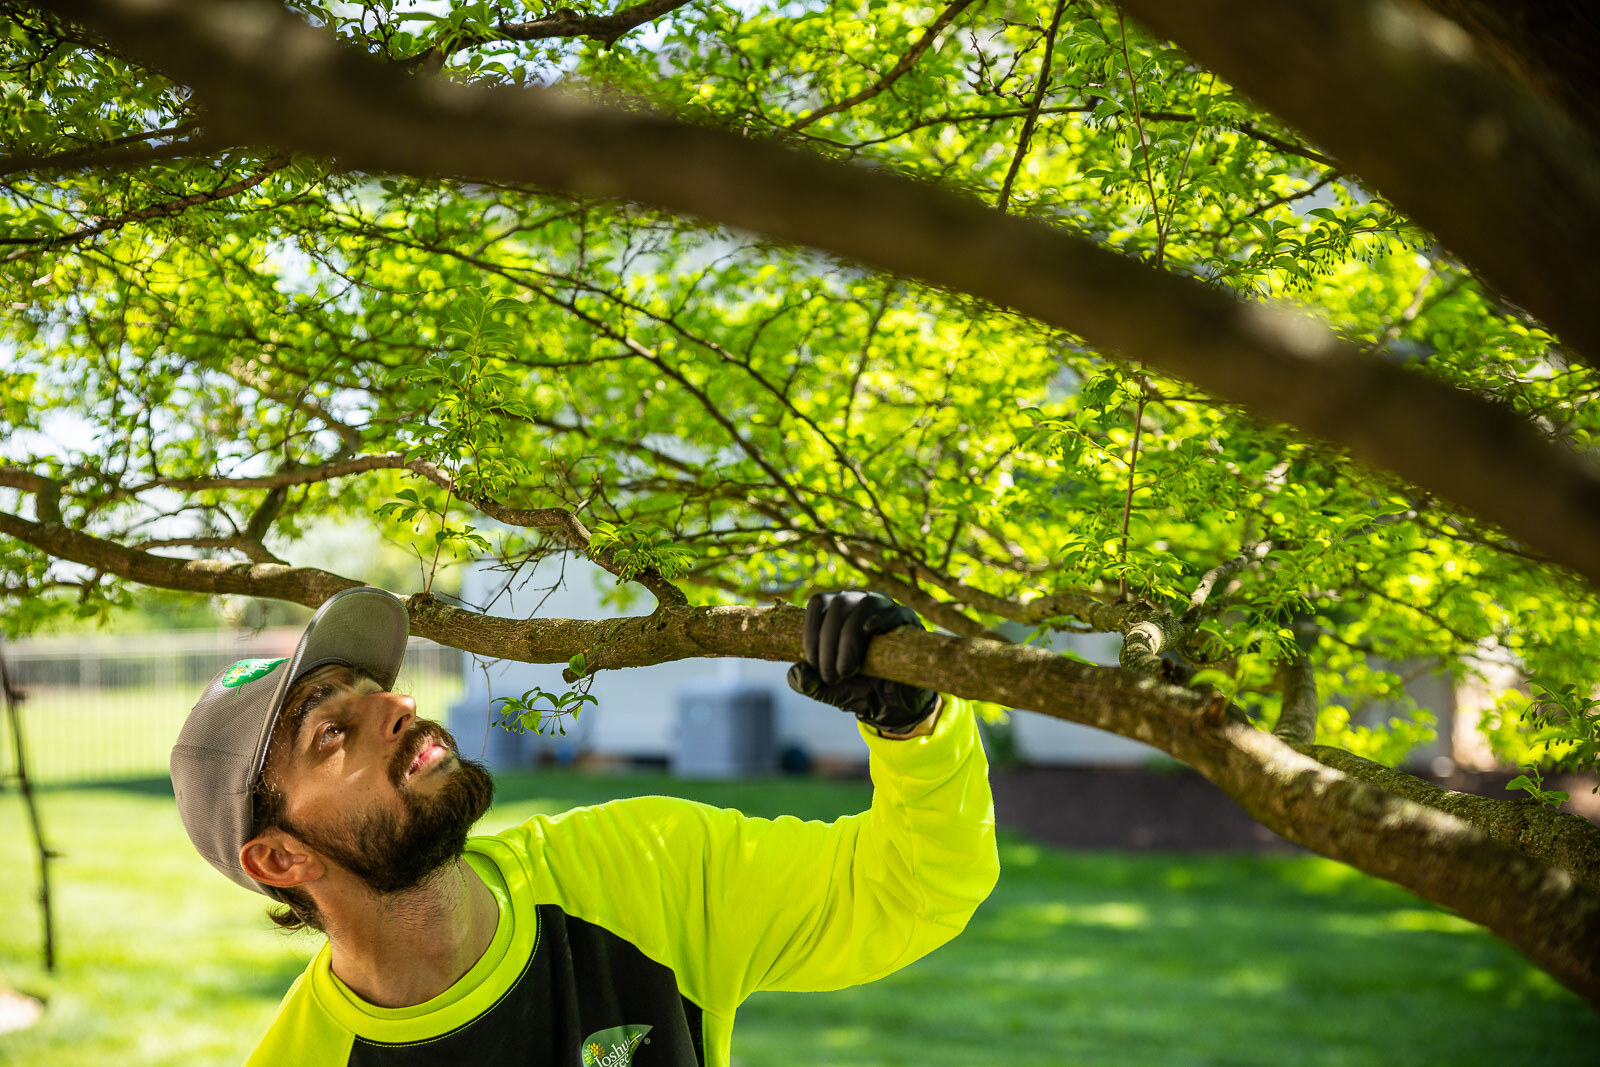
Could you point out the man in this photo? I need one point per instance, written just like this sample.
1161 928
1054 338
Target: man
620 935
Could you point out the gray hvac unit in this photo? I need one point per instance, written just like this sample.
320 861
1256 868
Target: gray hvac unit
726 729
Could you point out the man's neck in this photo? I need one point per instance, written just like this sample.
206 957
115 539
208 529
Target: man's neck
401 949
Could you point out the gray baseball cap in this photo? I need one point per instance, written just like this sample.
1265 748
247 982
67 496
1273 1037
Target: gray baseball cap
223 743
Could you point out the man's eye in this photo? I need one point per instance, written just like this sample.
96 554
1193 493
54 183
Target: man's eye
329 732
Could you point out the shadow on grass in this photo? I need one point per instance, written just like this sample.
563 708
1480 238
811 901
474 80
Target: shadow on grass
1095 957
142 785
549 792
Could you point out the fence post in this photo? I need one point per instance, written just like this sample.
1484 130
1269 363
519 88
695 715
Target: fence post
13 701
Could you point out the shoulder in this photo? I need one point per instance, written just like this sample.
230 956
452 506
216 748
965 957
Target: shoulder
303 1033
632 817
640 841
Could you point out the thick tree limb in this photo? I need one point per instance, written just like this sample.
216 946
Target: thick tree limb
1551 47
1557 836
1526 897
289 85
1399 94
1543 910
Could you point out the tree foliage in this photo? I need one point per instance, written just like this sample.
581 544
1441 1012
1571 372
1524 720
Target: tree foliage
211 345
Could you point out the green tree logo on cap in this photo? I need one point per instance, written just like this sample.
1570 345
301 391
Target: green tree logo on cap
248 670
613 1047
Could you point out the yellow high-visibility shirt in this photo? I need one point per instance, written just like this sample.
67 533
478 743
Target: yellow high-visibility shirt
630 932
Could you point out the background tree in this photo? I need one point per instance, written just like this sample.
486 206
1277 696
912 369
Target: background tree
960 304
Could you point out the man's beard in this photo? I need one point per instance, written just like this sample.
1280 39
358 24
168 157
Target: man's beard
391 852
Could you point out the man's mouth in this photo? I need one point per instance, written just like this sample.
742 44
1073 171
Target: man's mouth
432 755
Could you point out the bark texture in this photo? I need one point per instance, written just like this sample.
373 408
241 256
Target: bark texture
1550 47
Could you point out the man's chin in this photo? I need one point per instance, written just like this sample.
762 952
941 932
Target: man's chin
394 854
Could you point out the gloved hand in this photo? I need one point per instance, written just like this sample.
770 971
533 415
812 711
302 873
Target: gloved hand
838 628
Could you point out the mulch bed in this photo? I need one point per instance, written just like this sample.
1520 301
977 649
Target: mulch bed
1172 810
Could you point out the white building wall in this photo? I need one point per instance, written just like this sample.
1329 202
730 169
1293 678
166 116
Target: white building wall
636 714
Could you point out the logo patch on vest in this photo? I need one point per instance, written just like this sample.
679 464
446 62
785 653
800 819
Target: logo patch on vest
613 1047
248 670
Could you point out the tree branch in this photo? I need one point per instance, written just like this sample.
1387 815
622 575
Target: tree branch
1395 92
907 61
564 23
106 152
46 491
1297 722
343 104
562 522
1560 837
1221 574
299 585
36 245
250 547
1039 89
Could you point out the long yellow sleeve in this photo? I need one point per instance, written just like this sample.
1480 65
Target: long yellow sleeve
734 905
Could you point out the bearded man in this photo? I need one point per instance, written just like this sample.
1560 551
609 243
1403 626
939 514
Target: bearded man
620 935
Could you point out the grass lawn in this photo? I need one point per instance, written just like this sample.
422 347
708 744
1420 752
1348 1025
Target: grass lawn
1078 958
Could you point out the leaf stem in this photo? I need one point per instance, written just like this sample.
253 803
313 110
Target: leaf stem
1032 118
1127 503
1144 146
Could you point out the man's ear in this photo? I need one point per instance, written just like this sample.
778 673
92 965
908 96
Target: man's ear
278 859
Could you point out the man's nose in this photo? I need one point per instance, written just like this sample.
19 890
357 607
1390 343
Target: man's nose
398 712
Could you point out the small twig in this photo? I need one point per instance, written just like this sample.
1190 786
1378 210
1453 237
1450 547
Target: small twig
1033 110
1144 146
564 23
172 207
1163 232
913 54
1127 503
438 545
1220 574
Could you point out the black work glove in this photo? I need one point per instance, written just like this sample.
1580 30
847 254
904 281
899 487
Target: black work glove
838 629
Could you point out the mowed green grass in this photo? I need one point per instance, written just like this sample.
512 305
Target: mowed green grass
1077 958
